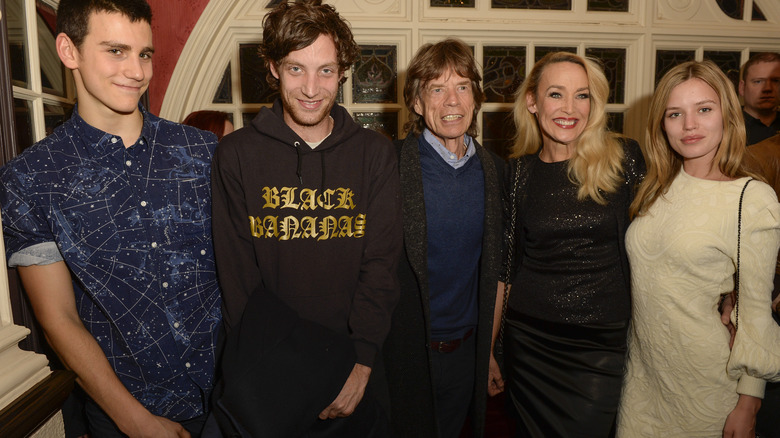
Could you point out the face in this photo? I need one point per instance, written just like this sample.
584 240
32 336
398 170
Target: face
693 122
447 106
113 66
760 88
308 84
561 103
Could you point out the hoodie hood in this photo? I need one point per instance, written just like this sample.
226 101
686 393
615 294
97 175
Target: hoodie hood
270 122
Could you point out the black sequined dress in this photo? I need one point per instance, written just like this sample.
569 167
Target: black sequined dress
568 312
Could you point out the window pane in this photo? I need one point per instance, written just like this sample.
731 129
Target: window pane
374 75
729 63
614 62
497 132
452 3
608 5
23 124
560 5
666 59
225 90
758 15
254 87
383 123
55 115
541 51
17 41
615 122
732 8
52 70
247 117
504 72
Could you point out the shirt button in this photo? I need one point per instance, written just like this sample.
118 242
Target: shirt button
175 325
187 365
129 163
113 140
203 252
165 284
154 244
143 203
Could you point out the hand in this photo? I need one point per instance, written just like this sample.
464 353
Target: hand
726 306
351 394
741 422
495 381
159 427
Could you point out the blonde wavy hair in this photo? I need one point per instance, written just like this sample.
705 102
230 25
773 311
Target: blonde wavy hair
597 164
663 163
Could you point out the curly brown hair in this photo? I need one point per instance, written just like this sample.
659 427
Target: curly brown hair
294 26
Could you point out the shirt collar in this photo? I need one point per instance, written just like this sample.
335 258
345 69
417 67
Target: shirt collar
102 141
448 156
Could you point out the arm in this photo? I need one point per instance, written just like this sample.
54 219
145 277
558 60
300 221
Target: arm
741 422
757 341
237 269
50 291
378 290
754 356
495 380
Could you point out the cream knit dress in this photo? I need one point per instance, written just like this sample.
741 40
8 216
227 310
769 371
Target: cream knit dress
682 380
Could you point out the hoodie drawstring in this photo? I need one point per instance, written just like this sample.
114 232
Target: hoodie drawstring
300 161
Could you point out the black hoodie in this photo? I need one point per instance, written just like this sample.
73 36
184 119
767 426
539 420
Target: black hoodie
321 229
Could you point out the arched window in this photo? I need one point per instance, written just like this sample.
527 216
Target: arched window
637 40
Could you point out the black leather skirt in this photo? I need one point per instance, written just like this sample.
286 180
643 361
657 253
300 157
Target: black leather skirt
563 380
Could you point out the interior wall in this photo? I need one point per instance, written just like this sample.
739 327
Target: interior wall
172 24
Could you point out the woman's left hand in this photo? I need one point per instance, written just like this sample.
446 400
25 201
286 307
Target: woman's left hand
741 422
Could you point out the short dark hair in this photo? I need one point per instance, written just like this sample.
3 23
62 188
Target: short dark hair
432 61
294 26
206 120
758 58
73 15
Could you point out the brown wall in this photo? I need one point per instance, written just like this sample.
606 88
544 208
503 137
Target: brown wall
172 24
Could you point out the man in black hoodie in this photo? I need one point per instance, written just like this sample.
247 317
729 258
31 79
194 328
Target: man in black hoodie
306 207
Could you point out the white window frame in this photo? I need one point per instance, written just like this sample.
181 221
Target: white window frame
692 24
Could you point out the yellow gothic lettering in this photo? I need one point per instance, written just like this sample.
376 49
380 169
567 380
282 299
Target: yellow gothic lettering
308 199
288 198
345 226
327 227
360 225
255 226
308 227
270 223
323 200
345 199
271 196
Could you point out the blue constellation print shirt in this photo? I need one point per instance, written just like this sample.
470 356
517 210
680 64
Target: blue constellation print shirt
134 227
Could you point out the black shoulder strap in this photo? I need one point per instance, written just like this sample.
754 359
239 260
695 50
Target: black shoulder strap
520 169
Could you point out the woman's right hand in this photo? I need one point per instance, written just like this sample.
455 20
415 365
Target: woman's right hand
495 381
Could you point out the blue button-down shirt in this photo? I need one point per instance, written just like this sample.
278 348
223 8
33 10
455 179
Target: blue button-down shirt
134 227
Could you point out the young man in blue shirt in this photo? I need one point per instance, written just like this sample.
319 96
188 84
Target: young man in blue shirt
108 220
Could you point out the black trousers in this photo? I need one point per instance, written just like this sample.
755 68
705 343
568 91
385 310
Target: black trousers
453 384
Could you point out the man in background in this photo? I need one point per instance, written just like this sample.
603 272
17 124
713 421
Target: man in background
759 87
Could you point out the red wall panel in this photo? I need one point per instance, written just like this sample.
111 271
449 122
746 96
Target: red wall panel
172 24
